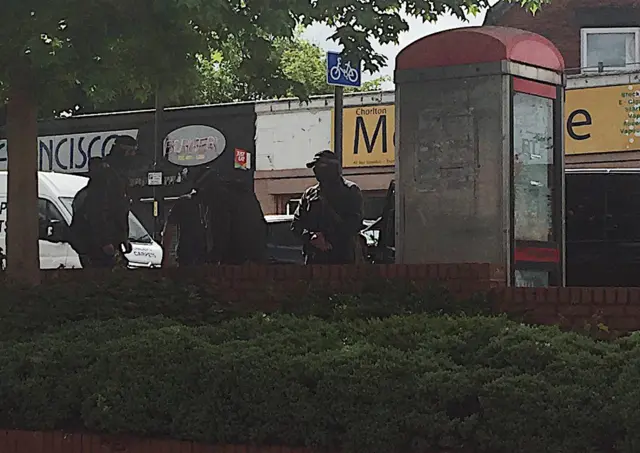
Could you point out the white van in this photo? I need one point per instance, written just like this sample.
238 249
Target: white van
55 197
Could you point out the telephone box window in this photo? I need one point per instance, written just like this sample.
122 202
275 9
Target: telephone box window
533 168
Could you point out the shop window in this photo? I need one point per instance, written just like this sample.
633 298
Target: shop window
623 208
586 207
610 49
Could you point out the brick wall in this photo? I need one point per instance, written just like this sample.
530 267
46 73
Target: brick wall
58 442
560 22
263 287
270 283
608 311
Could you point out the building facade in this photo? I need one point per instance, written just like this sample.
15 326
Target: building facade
588 33
600 42
218 138
289 133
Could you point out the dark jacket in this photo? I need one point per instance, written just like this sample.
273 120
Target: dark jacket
100 215
220 224
192 219
337 214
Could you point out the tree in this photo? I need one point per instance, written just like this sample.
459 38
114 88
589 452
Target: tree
301 72
53 49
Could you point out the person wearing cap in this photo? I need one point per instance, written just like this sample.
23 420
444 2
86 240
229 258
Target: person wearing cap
329 216
219 222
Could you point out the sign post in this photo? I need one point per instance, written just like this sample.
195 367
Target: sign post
157 148
341 74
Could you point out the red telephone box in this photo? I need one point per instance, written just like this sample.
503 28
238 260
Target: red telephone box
480 152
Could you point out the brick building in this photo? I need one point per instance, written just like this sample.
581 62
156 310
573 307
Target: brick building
587 32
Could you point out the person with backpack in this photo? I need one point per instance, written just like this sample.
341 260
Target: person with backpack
99 211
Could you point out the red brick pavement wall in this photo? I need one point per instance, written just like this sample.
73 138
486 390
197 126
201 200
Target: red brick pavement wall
270 283
262 287
58 442
614 310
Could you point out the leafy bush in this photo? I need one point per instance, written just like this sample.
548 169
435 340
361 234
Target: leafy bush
25 312
402 383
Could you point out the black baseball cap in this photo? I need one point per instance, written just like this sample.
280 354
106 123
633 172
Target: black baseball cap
326 156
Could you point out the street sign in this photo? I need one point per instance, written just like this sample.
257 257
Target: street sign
342 73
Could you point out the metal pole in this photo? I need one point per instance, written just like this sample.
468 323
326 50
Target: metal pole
338 111
157 147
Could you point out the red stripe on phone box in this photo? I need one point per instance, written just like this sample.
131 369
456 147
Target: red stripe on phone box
535 88
537 254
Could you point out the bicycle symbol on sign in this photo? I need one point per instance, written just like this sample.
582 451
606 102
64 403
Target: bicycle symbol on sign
349 73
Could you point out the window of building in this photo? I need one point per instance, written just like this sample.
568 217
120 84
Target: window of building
610 49
586 207
292 205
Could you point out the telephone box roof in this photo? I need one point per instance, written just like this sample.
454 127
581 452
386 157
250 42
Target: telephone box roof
476 45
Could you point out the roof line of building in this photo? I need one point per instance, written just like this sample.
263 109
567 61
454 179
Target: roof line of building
327 97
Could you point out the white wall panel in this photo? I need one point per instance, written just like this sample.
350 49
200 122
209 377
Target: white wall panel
289 133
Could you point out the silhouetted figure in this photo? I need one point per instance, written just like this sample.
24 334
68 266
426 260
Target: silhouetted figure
219 222
120 161
329 216
97 231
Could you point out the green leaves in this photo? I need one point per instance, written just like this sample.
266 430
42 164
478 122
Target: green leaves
285 67
404 383
387 368
101 51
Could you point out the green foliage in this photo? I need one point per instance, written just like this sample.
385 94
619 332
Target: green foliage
79 51
403 383
386 368
295 68
25 312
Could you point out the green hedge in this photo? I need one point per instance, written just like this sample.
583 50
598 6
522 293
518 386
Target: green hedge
24 312
401 384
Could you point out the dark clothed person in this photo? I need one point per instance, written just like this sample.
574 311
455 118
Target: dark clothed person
186 230
240 219
329 216
220 222
96 229
119 160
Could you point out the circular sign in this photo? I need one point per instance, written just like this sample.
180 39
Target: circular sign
193 145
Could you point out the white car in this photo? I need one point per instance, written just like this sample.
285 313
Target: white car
55 197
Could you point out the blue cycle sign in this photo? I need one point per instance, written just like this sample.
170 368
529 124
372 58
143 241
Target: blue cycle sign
341 72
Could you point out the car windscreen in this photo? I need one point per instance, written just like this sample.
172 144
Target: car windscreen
137 232
280 234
